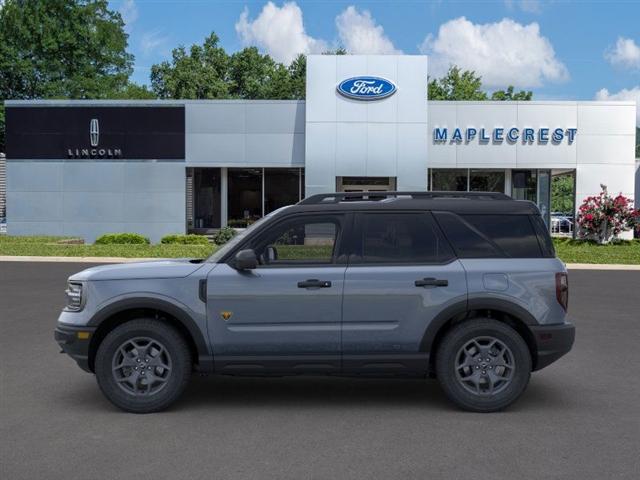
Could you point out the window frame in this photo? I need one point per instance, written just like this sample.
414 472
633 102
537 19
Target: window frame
357 233
339 257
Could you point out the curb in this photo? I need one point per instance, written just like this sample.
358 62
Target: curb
10 258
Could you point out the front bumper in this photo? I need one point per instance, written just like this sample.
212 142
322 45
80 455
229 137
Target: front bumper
75 341
552 342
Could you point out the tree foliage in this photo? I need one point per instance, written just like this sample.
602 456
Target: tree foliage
458 84
562 193
62 49
207 72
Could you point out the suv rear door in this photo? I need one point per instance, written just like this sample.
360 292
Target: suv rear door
283 316
401 274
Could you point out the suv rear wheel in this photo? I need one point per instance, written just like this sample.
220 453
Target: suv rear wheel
143 365
483 365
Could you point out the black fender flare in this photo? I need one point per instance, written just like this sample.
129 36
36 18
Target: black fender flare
462 307
180 313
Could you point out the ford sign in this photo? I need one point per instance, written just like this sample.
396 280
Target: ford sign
366 88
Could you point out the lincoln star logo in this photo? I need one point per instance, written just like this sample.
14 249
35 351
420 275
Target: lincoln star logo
94 132
105 151
366 88
226 315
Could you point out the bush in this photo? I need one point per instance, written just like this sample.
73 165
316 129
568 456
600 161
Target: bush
122 238
603 217
190 239
224 235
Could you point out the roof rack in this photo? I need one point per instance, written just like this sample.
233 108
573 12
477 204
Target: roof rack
379 196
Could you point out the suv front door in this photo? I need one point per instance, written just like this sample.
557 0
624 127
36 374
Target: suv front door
401 274
285 315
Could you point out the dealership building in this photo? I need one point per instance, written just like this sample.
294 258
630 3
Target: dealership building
84 168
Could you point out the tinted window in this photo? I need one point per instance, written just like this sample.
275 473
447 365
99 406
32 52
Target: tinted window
467 241
514 234
303 240
544 239
487 236
401 238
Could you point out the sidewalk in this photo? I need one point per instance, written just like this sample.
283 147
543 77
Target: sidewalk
8 258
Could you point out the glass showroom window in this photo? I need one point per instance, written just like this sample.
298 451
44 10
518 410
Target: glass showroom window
255 192
486 181
282 186
449 179
244 196
524 185
203 213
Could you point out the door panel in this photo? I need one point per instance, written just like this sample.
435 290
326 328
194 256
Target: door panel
401 275
385 315
272 323
285 315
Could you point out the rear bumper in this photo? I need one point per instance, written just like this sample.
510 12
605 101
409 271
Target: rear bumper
74 345
552 342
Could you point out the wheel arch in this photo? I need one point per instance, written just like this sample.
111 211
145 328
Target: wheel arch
127 309
502 310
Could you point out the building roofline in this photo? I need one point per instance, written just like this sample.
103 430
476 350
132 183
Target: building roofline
152 103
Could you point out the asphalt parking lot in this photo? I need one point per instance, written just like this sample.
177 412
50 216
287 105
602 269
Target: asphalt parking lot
580 418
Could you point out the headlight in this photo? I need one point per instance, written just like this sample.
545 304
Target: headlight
74 297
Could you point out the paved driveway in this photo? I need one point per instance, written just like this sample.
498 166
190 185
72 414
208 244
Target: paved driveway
580 418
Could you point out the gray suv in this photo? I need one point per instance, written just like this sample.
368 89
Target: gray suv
464 287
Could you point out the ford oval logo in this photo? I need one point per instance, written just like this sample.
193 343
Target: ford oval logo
366 88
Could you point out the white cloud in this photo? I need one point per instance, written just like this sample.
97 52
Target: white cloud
504 53
360 34
278 31
129 13
632 94
529 6
626 53
151 41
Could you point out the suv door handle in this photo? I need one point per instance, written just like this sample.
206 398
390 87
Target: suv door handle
314 283
431 282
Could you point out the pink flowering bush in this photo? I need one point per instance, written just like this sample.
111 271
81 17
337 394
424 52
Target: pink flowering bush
603 217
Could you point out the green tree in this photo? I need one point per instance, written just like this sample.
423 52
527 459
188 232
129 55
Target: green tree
562 193
457 85
199 74
510 95
298 74
61 49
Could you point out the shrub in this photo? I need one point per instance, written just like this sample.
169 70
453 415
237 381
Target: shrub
190 239
224 235
122 238
603 217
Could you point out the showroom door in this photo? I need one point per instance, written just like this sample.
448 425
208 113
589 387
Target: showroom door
365 184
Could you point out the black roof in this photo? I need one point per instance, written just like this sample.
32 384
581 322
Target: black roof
457 202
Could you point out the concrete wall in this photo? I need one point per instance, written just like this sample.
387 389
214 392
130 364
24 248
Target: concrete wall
346 137
89 198
237 133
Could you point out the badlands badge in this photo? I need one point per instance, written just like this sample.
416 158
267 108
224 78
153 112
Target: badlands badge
226 315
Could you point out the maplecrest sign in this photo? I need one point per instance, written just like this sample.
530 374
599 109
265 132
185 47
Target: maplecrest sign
526 136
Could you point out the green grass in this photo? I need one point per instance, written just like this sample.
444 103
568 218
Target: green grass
48 247
580 251
570 251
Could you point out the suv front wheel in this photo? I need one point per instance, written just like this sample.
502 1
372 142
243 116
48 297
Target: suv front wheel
483 365
143 365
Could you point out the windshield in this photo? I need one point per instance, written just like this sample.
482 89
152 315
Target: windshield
239 237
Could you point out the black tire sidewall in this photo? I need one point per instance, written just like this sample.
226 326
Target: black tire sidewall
446 356
178 378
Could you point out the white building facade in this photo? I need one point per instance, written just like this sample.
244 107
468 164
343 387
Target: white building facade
84 168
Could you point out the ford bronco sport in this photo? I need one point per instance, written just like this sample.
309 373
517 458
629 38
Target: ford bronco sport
464 287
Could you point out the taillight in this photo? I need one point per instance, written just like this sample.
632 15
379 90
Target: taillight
562 290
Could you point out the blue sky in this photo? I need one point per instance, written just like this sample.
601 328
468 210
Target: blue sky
561 50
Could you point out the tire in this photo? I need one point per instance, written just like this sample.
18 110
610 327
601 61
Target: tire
472 382
143 365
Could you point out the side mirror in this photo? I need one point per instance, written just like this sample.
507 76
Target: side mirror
246 260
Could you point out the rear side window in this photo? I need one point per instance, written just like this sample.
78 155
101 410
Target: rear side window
400 238
546 244
491 236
